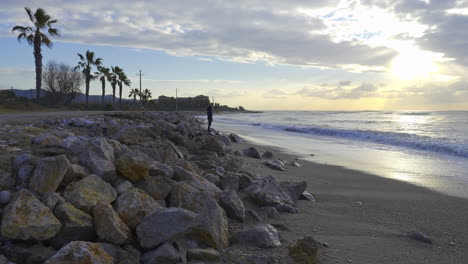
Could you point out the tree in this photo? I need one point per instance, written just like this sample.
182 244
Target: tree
103 75
146 95
112 78
134 93
36 38
62 82
85 64
122 80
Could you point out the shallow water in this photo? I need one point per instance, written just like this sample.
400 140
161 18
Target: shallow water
427 148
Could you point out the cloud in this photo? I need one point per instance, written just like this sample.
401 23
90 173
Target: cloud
240 31
275 94
335 93
189 81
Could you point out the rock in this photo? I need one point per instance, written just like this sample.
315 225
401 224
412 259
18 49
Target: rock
176 150
76 225
133 205
124 186
7 181
252 152
98 165
165 254
127 135
79 252
236 139
51 199
128 255
194 180
237 153
308 197
244 180
263 236
214 145
161 169
206 254
102 147
89 191
234 207
5 197
274 165
213 227
295 164
49 173
46 139
267 154
25 217
109 226
213 178
133 165
234 164
225 140
267 192
4 260
305 251
26 253
255 215
416 235
269 211
294 188
75 172
230 181
157 187
164 225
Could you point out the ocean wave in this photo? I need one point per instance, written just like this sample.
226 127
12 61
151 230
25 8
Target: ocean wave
404 140
416 113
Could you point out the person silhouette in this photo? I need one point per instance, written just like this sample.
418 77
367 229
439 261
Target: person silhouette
209 113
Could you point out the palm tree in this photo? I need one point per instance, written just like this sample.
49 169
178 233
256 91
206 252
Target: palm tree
122 80
133 93
146 95
85 64
103 74
112 78
35 38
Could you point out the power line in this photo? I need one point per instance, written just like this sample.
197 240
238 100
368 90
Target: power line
140 74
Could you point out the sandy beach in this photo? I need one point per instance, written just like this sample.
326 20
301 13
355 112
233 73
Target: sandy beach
363 218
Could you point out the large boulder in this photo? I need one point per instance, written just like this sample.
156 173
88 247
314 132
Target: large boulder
164 254
51 199
89 191
263 236
79 252
161 169
294 188
252 152
127 135
25 217
232 204
235 138
133 205
98 165
46 139
24 252
75 172
213 227
49 173
125 255
109 226
230 181
165 225
133 165
304 251
76 225
157 187
214 145
268 192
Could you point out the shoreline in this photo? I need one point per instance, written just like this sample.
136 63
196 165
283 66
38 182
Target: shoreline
364 218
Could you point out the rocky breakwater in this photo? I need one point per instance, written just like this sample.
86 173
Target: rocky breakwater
134 187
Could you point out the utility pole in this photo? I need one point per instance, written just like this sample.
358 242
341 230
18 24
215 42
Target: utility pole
176 99
140 74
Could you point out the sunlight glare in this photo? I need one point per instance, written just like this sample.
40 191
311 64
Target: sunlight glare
412 64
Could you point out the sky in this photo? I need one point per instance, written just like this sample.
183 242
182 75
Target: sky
263 55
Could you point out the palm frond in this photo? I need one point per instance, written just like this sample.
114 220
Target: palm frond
49 24
31 17
53 32
81 57
98 61
30 39
42 18
45 39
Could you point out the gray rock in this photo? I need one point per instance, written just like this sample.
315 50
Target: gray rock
25 217
26 253
252 152
234 207
51 199
75 172
165 254
98 165
294 188
46 139
164 225
236 139
4 260
133 205
128 135
308 197
213 226
237 153
269 211
230 181
416 235
244 180
76 225
213 178
275 165
263 236
89 191
214 145
161 169
225 140
125 255
203 254
49 173
7 181
5 197
109 226
305 250
133 165
123 187
157 187
80 252
267 192
295 164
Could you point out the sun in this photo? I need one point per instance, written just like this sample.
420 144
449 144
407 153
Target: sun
412 63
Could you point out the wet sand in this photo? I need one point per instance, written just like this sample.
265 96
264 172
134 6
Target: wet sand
363 218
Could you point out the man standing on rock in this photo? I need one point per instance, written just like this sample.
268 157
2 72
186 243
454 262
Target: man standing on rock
209 113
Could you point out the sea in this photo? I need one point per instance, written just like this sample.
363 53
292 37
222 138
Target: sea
425 148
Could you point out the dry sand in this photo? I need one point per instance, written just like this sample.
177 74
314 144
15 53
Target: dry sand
363 218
